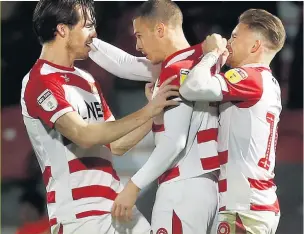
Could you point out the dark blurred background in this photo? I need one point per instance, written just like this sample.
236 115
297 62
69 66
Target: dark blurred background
20 172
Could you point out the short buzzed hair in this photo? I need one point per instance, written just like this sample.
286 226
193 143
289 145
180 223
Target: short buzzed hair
270 26
165 11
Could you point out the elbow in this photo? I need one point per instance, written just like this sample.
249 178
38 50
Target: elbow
85 144
199 94
180 143
118 151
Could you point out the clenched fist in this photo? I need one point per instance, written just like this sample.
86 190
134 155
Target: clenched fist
214 43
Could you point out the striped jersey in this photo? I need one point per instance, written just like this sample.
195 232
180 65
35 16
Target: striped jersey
79 182
249 116
200 155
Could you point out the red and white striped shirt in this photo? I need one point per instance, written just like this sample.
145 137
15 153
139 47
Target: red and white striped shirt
79 182
249 116
186 144
247 139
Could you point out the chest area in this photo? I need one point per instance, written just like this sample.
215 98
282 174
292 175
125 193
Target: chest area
87 103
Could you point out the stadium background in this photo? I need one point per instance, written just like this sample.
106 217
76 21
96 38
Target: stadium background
20 49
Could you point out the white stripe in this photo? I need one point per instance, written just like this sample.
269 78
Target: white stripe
23 104
222 82
111 118
180 57
264 197
207 149
93 177
61 113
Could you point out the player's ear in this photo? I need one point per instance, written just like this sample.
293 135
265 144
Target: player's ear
256 46
61 30
160 30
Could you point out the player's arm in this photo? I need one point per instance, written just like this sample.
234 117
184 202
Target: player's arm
238 84
127 142
172 142
48 103
122 64
200 85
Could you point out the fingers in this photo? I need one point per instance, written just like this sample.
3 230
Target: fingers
168 81
149 85
171 94
172 103
168 88
128 214
121 213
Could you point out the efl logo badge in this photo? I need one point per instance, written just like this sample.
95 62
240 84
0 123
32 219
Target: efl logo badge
47 100
183 75
236 75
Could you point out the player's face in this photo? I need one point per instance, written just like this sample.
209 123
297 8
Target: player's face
147 40
240 45
80 36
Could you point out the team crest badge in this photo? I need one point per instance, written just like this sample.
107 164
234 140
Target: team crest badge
183 75
93 88
236 75
223 228
162 231
47 100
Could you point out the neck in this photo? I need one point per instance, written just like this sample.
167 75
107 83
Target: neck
264 59
57 54
176 42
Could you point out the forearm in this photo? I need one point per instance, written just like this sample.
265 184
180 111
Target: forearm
108 132
172 142
161 159
122 64
200 85
122 145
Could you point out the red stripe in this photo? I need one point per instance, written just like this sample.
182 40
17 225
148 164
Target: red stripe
210 163
53 222
94 191
207 135
177 227
169 175
60 229
92 163
158 127
239 226
51 197
261 184
274 207
223 157
47 174
222 185
91 213
223 208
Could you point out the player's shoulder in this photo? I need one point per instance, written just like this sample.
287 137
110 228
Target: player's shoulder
242 74
85 74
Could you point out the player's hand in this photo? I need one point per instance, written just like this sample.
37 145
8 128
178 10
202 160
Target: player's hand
224 57
162 98
149 90
124 202
214 43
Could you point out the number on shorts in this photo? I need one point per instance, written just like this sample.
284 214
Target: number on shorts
265 162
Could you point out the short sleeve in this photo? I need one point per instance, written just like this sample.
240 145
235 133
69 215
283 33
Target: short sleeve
45 98
241 84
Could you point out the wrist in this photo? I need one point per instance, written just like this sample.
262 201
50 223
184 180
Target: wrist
133 186
211 58
146 112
